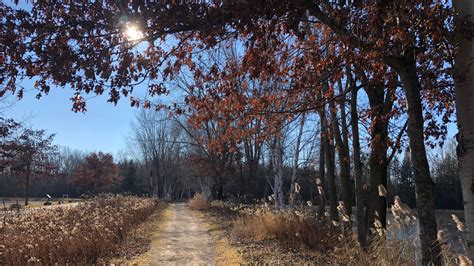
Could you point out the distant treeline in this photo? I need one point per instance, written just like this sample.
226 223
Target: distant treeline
179 179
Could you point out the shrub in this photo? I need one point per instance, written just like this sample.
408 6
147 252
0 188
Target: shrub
71 235
198 202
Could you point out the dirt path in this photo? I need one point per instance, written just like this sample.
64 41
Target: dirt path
184 238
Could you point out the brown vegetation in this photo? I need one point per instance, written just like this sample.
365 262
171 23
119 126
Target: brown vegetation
265 235
198 202
78 234
137 241
291 228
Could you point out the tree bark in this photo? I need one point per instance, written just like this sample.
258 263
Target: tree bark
378 162
330 167
297 154
465 115
278 182
424 185
320 186
343 154
360 209
344 158
27 186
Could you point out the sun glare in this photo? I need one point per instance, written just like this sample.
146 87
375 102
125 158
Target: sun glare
133 33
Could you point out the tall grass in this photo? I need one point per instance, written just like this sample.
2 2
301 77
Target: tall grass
77 235
397 244
289 228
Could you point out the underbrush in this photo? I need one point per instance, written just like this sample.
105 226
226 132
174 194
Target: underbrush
77 235
302 230
290 228
198 202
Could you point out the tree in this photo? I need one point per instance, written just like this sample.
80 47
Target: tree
328 147
157 142
403 180
26 153
294 170
465 110
412 38
446 173
97 174
128 170
342 146
360 206
67 161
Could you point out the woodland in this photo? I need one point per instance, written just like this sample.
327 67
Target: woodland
356 107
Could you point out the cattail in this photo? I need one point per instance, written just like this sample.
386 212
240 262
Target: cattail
270 198
342 212
401 212
459 224
297 188
320 190
382 191
377 223
464 261
442 236
378 227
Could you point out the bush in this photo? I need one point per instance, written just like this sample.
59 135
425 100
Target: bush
71 235
198 202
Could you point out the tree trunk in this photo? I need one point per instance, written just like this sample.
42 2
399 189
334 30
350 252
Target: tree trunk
330 167
378 162
345 142
218 188
278 185
344 158
206 184
320 186
297 154
360 210
27 186
465 116
424 185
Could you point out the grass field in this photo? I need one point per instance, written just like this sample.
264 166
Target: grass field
6 202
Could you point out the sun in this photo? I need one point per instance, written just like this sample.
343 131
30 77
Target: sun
133 33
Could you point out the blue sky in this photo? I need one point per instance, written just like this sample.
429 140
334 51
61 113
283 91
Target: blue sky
104 127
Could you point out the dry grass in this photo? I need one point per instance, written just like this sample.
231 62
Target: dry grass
199 202
225 253
78 235
138 240
153 237
290 228
301 231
